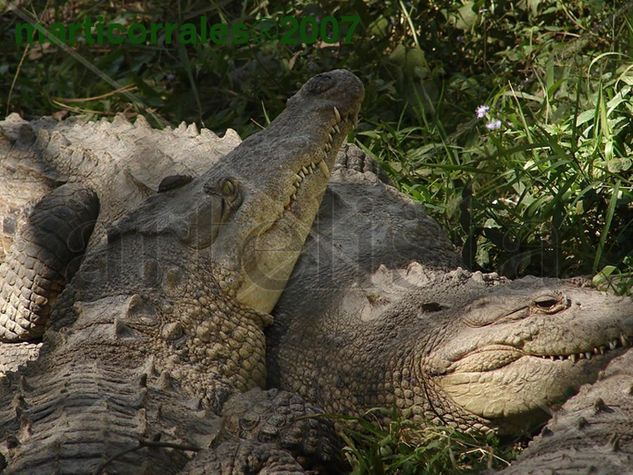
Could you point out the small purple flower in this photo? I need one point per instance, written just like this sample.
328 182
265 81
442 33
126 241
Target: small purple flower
481 111
493 124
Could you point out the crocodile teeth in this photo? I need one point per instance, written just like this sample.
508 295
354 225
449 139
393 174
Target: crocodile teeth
337 114
305 170
330 137
624 340
573 358
581 356
337 129
328 147
601 350
588 355
553 358
323 167
301 174
613 345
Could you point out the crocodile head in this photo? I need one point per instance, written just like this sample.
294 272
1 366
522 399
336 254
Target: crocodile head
477 351
512 353
251 212
467 349
385 324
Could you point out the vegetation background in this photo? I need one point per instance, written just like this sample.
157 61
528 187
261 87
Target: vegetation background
538 181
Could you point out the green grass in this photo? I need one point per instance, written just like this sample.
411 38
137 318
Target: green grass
402 447
550 192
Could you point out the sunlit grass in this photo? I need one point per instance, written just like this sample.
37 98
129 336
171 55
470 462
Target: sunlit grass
403 447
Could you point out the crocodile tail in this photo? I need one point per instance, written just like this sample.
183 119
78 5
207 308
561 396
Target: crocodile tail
43 258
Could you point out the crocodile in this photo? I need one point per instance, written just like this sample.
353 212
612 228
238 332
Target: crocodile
591 432
373 247
156 343
111 159
378 313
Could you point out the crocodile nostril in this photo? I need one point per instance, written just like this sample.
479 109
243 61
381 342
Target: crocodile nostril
432 307
319 84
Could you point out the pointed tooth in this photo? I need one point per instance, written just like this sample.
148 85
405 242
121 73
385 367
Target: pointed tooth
337 114
588 355
328 147
573 358
624 340
305 170
613 345
561 357
324 169
601 350
581 356
337 129
553 358
595 350
293 197
301 174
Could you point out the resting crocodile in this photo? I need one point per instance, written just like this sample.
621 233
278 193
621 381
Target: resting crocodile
163 321
377 313
370 224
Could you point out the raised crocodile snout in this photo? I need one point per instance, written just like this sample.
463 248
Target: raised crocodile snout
337 88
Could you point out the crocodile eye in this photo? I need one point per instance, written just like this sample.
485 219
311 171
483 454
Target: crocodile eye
549 303
228 190
228 187
545 301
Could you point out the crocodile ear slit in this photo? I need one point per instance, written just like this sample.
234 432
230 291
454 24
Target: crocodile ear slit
173 181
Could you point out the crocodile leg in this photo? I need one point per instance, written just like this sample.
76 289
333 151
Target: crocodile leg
43 258
272 431
243 456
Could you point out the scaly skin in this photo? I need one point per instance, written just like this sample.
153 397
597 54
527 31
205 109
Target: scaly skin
109 159
372 318
40 261
123 163
170 303
591 432
113 161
